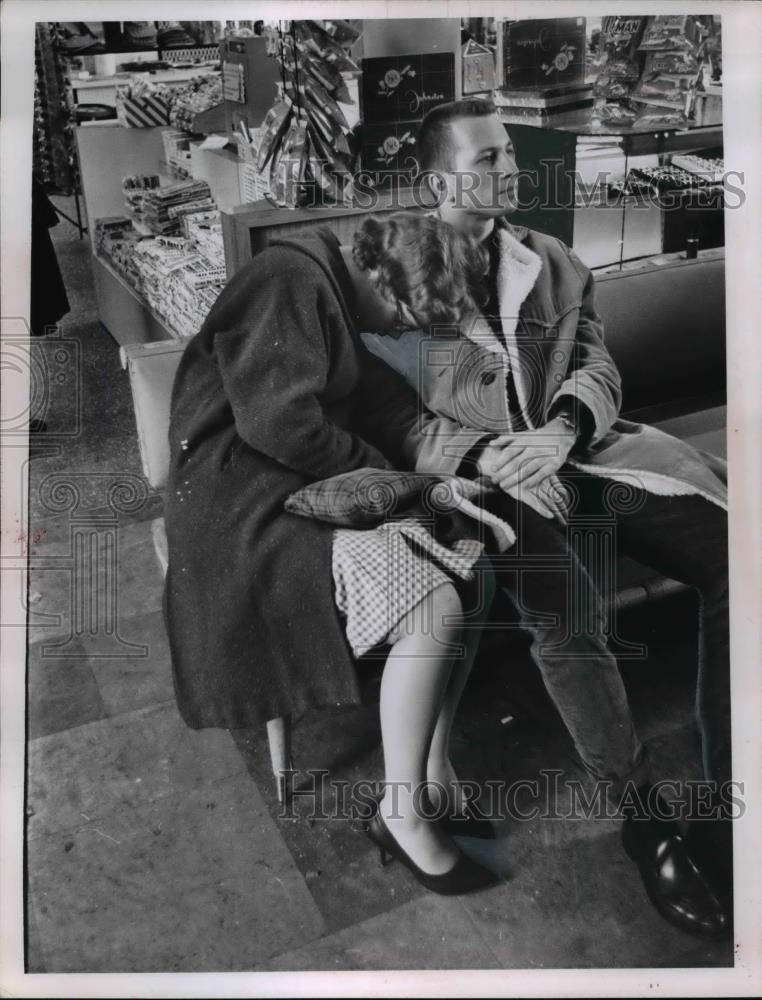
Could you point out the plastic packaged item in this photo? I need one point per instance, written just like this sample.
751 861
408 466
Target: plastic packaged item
670 63
655 116
341 31
613 88
614 113
666 32
275 125
620 36
665 91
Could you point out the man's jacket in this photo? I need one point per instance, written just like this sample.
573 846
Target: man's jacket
554 345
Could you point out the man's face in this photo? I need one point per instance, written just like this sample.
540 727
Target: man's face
481 181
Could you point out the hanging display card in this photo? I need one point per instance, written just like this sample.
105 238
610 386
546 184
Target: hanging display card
233 85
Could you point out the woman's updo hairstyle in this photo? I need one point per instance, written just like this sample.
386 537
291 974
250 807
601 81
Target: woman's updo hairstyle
424 262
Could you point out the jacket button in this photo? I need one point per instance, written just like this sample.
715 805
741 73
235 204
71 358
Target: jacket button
488 378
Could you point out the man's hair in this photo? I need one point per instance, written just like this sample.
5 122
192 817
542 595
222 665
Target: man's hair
434 143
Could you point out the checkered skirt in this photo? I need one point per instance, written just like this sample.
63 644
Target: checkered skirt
381 574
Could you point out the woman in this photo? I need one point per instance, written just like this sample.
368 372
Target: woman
275 392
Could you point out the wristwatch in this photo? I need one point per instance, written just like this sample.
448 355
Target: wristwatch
568 421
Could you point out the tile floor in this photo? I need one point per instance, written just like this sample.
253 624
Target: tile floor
151 847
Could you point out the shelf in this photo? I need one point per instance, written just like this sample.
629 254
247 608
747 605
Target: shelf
123 310
165 76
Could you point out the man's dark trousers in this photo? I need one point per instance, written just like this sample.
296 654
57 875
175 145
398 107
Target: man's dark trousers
561 599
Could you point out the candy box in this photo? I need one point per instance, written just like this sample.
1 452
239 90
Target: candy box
547 52
390 149
405 88
146 111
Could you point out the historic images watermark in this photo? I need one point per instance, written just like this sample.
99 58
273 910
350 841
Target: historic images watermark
551 184
312 794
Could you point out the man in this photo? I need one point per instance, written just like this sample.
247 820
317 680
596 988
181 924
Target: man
563 394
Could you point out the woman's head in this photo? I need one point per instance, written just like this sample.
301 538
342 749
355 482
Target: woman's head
424 263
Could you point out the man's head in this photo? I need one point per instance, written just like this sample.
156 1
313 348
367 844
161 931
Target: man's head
470 160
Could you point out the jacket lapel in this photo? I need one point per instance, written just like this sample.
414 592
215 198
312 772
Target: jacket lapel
517 272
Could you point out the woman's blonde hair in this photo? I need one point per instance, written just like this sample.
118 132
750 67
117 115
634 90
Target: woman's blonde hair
424 262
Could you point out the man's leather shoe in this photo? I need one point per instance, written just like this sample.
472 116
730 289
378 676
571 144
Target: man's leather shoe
674 884
710 845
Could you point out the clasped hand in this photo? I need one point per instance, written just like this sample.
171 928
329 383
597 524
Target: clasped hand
524 465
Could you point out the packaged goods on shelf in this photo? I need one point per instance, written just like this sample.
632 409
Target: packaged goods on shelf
142 104
667 32
177 212
158 202
134 189
543 117
179 277
546 97
544 52
177 282
665 91
305 151
617 67
197 95
204 231
671 177
708 169
658 116
397 92
177 151
614 113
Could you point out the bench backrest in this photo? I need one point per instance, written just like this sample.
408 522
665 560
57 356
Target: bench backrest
664 326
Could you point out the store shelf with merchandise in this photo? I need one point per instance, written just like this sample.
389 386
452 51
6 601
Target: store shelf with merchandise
108 153
611 193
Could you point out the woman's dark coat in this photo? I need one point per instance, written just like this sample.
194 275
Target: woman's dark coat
274 392
49 301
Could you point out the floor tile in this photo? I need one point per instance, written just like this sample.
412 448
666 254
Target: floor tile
61 693
333 750
132 759
137 682
196 880
580 905
432 932
137 590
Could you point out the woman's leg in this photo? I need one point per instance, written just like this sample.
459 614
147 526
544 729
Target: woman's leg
439 770
413 689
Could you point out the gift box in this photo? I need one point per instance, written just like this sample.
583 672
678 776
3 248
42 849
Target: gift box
405 88
543 53
146 111
390 149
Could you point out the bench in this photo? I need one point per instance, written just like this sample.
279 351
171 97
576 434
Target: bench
665 328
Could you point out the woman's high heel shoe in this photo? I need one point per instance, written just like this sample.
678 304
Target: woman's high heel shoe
470 823
465 875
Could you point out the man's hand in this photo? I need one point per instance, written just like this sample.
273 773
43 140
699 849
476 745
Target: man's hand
528 458
524 465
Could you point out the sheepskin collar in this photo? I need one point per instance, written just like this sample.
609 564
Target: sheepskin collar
518 270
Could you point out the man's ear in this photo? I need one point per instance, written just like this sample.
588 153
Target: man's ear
440 184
